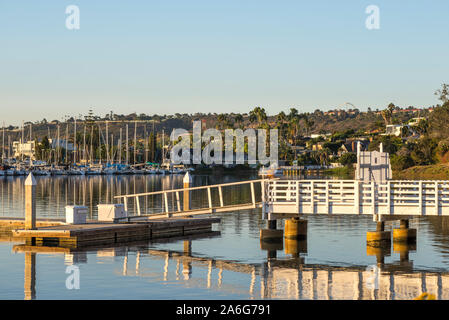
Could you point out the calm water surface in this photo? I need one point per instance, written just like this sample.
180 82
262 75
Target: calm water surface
334 262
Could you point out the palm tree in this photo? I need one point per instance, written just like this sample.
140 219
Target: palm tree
387 114
281 119
257 115
423 127
308 123
293 118
238 119
221 120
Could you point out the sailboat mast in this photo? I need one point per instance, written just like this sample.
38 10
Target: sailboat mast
91 145
127 145
112 148
107 143
120 146
153 145
3 142
74 145
58 147
146 144
99 140
163 147
23 139
67 142
9 147
84 143
135 142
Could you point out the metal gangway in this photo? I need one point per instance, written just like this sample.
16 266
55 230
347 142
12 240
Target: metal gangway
182 200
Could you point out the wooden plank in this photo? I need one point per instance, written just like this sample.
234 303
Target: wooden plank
209 198
178 201
220 193
253 194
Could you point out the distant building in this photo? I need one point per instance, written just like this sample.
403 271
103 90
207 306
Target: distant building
27 149
54 143
415 121
373 166
319 135
394 129
351 146
318 146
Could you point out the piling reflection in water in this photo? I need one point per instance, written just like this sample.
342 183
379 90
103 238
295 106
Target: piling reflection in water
273 279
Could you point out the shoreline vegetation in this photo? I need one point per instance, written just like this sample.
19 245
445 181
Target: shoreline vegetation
345 172
439 171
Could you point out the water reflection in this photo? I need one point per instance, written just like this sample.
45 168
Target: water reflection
288 278
54 193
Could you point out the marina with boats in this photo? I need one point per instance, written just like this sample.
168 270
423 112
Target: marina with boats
85 154
23 169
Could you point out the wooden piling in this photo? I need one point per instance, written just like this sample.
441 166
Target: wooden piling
30 203
187 183
404 233
295 228
380 237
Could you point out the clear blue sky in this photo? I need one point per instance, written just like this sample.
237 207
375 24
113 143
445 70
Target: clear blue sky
218 56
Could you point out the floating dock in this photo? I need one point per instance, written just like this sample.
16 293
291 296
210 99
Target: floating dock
104 233
11 223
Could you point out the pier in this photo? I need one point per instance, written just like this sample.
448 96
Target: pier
390 198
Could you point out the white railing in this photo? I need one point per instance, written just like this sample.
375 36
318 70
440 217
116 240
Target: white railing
355 197
214 204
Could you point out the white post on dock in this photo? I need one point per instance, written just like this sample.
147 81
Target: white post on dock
30 202
187 181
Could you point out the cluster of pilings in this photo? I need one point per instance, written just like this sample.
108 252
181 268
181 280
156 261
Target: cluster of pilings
378 243
294 235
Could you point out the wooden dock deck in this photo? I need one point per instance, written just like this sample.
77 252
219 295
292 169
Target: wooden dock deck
103 233
11 223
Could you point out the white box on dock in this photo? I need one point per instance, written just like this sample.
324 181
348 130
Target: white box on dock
75 214
109 212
